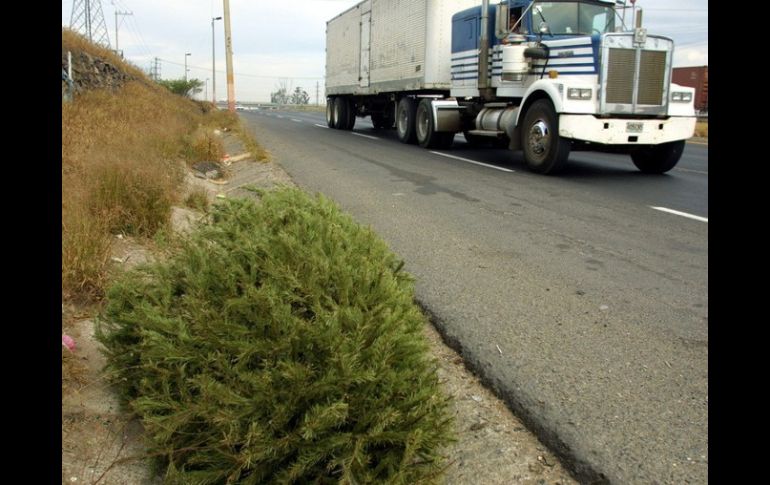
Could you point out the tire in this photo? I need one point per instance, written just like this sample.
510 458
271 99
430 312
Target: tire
405 115
545 151
330 121
659 158
351 119
425 129
340 114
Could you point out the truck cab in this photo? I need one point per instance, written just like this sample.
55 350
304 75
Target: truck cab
571 78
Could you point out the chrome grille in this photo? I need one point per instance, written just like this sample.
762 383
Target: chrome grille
652 75
620 76
635 75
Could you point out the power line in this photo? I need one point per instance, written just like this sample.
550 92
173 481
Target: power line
207 69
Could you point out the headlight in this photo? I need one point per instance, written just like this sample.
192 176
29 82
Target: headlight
579 93
681 96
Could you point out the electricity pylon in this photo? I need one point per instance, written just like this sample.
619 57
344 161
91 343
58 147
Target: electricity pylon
88 19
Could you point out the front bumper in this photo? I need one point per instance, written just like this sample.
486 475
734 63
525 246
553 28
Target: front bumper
626 131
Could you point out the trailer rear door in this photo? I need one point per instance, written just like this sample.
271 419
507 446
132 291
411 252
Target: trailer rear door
366 29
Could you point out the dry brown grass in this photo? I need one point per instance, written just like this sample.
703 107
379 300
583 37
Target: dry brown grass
204 145
122 170
120 173
251 144
197 199
702 129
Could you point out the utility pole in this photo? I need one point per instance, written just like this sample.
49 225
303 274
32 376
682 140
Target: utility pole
213 63
185 65
155 70
117 12
316 93
229 56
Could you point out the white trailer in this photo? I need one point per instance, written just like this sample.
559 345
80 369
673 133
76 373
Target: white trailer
542 77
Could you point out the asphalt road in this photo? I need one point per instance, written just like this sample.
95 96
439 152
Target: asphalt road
581 299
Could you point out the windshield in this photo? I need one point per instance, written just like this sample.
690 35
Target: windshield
574 17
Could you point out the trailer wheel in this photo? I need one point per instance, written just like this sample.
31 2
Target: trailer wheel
405 115
427 136
340 113
660 158
544 150
351 109
330 102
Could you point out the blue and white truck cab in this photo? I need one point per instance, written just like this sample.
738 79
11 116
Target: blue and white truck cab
544 77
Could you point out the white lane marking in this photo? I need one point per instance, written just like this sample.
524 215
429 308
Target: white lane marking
683 214
365 136
298 121
279 116
689 170
321 126
473 162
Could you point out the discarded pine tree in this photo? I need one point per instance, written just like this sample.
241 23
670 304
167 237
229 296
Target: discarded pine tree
281 344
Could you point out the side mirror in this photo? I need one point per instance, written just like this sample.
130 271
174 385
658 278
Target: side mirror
543 28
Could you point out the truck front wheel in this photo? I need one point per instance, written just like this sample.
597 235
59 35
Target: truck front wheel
405 115
544 150
660 158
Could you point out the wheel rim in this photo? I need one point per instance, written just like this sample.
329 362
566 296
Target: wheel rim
337 112
539 137
402 121
328 113
422 124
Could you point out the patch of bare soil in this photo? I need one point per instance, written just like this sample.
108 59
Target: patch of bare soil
102 445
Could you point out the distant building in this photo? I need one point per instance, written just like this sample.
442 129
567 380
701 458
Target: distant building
698 78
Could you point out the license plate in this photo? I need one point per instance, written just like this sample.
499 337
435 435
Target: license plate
633 127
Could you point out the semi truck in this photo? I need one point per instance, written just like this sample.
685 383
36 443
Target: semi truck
542 77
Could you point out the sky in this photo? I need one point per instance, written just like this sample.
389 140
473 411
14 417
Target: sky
283 42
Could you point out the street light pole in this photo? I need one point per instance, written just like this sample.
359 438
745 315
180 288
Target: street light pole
213 63
207 89
185 66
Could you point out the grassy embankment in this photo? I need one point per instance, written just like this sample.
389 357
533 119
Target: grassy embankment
122 164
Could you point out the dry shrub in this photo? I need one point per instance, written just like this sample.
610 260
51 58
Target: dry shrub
132 199
198 199
85 248
220 118
120 172
121 163
204 145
